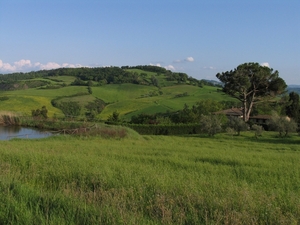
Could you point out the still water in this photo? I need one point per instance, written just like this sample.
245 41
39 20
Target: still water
9 132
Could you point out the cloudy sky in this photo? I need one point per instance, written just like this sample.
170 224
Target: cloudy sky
198 37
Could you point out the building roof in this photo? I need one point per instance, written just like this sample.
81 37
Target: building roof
262 117
231 112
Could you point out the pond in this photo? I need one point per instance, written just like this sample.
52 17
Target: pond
9 132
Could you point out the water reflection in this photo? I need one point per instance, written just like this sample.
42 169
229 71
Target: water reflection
9 132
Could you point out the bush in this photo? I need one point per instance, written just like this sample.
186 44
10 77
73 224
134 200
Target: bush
283 124
211 124
178 129
237 124
257 130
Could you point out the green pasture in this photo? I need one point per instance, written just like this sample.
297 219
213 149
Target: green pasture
33 98
62 79
161 78
127 99
151 180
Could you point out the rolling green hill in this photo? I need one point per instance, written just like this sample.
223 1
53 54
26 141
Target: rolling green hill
129 99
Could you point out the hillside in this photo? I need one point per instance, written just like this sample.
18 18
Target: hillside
130 91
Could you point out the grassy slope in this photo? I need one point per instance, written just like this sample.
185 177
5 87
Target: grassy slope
127 99
26 100
151 180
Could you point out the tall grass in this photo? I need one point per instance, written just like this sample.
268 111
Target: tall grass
9 118
150 180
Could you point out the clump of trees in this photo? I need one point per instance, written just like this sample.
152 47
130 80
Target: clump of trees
40 113
283 124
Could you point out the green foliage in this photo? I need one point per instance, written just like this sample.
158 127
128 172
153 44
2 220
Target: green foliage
284 125
40 113
251 82
293 108
258 130
94 108
237 124
195 113
90 91
211 124
114 117
70 109
166 129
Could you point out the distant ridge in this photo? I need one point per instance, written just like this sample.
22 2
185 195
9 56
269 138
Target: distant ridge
293 88
214 82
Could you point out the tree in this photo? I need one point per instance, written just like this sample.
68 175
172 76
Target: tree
293 109
284 125
40 113
250 83
90 91
211 124
114 117
237 124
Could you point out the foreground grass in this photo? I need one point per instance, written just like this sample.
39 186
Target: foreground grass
150 180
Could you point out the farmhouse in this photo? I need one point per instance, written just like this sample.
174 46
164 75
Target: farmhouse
232 112
238 112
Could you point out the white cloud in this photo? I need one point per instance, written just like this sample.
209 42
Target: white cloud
49 66
26 65
170 67
177 61
266 64
157 64
209 68
189 59
6 67
22 63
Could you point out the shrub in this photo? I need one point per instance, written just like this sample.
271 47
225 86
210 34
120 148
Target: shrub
237 124
283 124
257 130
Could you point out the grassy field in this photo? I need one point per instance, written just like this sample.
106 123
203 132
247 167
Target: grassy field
151 180
127 99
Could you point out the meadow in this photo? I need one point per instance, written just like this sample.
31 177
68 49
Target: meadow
151 180
127 99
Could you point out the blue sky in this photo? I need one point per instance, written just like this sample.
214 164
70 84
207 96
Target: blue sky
198 37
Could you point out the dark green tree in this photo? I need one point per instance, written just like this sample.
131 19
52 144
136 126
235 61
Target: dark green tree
90 91
293 109
250 83
154 81
114 117
38 113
